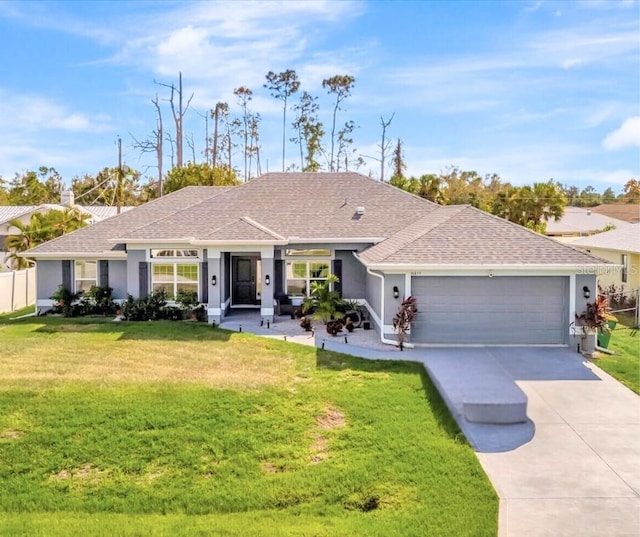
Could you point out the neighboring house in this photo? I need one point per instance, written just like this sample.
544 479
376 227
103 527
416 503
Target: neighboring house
579 222
478 279
621 246
629 212
23 214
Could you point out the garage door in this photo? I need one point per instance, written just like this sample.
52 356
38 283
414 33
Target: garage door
498 310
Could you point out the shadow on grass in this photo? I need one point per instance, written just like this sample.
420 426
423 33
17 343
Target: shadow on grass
130 330
338 362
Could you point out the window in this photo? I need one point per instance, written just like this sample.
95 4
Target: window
625 268
318 252
174 277
173 252
86 275
301 273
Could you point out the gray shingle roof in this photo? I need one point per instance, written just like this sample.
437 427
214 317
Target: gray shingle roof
305 205
324 206
625 239
96 239
462 235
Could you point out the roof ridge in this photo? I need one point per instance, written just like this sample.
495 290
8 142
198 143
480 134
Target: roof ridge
262 227
406 236
540 235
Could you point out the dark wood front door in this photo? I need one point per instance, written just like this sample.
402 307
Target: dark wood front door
244 280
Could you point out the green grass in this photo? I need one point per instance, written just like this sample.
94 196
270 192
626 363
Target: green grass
178 429
624 365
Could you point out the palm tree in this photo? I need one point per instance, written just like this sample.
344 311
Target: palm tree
41 227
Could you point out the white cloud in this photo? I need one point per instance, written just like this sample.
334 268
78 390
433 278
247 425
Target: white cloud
34 113
627 135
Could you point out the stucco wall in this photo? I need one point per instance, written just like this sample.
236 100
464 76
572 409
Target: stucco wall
605 279
49 277
353 275
118 278
133 259
373 296
586 342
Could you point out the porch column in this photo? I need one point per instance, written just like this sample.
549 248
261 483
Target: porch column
214 310
266 300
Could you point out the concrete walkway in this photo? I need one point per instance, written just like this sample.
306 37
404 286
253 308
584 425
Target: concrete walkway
572 470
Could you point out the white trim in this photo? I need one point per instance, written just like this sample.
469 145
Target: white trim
64 256
572 303
257 244
420 269
336 240
44 303
267 311
214 312
145 243
407 284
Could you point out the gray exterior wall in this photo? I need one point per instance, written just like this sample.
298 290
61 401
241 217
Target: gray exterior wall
587 342
133 258
391 304
49 277
118 279
353 275
373 296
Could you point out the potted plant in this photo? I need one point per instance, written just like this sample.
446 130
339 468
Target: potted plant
596 316
324 301
596 319
407 313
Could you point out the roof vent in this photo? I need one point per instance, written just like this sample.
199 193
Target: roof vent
360 211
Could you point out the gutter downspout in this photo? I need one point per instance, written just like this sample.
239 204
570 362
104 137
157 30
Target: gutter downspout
382 338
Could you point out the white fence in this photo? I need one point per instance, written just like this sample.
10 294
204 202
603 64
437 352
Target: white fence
17 289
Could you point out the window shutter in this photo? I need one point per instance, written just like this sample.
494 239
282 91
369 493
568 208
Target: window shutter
66 275
337 270
143 279
103 267
278 263
204 281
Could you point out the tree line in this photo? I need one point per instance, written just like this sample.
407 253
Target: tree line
529 205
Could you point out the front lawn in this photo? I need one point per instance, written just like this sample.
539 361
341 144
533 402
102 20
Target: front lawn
624 365
179 429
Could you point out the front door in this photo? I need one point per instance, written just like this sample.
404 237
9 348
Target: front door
244 281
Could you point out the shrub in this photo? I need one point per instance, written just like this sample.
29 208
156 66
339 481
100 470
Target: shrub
65 302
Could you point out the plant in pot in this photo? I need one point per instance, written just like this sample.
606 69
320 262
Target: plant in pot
323 300
596 319
407 313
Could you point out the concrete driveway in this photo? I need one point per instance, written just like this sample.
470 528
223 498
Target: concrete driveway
579 473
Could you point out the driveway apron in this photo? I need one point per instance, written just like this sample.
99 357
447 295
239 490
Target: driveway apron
579 474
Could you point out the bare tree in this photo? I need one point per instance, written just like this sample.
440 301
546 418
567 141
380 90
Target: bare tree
191 145
309 131
178 115
153 144
220 116
340 86
397 161
384 145
244 95
282 86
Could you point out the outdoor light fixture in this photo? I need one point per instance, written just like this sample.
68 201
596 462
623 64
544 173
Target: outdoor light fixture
586 292
396 291
214 280
267 280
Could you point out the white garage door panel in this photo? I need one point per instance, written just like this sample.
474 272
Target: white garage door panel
499 310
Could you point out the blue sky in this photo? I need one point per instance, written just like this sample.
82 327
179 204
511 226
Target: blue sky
530 90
